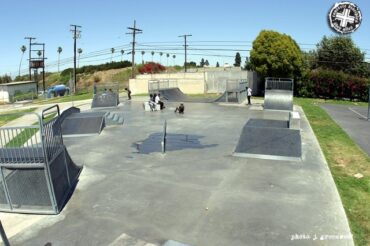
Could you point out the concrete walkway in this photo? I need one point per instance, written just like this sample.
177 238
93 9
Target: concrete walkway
353 120
196 193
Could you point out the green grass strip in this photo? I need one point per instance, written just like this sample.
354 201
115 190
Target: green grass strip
345 158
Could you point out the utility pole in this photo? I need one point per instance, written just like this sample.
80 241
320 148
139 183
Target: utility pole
29 56
133 33
185 46
76 34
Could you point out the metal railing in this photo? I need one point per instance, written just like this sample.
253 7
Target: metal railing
156 85
279 84
236 85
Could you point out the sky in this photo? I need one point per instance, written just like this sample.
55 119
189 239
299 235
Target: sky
227 26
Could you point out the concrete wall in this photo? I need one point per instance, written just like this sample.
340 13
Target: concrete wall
216 80
189 83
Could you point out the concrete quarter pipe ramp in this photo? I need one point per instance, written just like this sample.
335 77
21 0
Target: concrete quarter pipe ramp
176 95
37 173
278 94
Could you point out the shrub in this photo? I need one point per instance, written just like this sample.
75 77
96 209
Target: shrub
151 67
333 84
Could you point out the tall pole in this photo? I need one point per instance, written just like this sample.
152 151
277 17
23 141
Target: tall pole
185 46
29 56
368 105
133 33
76 35
43 66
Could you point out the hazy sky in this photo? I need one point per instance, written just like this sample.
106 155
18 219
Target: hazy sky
104 26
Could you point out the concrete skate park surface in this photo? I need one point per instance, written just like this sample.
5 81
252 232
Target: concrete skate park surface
353 120
195 194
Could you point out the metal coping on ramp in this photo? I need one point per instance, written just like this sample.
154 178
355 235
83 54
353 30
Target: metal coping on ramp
279 94
37 173
269 139
77 124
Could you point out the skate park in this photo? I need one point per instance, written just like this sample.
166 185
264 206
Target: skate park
199 191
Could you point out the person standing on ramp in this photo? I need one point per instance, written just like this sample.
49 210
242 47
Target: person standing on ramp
249 95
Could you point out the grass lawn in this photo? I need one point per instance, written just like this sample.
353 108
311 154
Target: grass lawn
64 99
12 115
345 158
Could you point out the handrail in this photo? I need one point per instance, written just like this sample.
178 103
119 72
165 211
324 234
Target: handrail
45 112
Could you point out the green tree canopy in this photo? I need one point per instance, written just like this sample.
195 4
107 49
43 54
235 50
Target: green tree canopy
238 60
217 64
202 63
276 55
339 53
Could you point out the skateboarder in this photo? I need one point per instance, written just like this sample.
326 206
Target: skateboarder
249 95
128 93
180 109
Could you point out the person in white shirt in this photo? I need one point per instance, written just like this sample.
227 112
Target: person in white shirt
157 100
249 95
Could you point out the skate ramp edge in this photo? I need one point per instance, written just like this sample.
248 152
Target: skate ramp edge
269 139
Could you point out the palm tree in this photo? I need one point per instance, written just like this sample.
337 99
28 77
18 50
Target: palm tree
59 50
122 52
23 49
142 56
174 57
79 51
39 53
160 57
168 55
152 55
112 50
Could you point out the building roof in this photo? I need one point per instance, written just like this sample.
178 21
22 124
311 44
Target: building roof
18 83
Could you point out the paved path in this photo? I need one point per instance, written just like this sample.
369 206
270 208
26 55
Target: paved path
196 193
353 120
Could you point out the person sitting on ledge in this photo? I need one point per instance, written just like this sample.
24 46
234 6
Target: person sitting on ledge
180 109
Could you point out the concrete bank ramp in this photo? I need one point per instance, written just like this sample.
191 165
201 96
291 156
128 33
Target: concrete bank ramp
269 139
76 123
176 95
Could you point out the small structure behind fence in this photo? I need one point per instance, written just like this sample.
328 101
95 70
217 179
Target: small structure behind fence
36 172
154 86
105 95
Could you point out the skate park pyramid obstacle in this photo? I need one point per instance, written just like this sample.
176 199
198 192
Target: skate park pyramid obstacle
272 138
37 173
105 95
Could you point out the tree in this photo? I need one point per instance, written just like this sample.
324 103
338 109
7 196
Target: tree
5 79
191 64
174 57
217 64
122 52
276 55
79 51
142 57
160 55
59 50
112 51
339 53
168 55
23 49
238 60
202 63
206 63
152 55
39 53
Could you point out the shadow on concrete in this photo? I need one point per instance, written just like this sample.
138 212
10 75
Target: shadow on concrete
174 142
